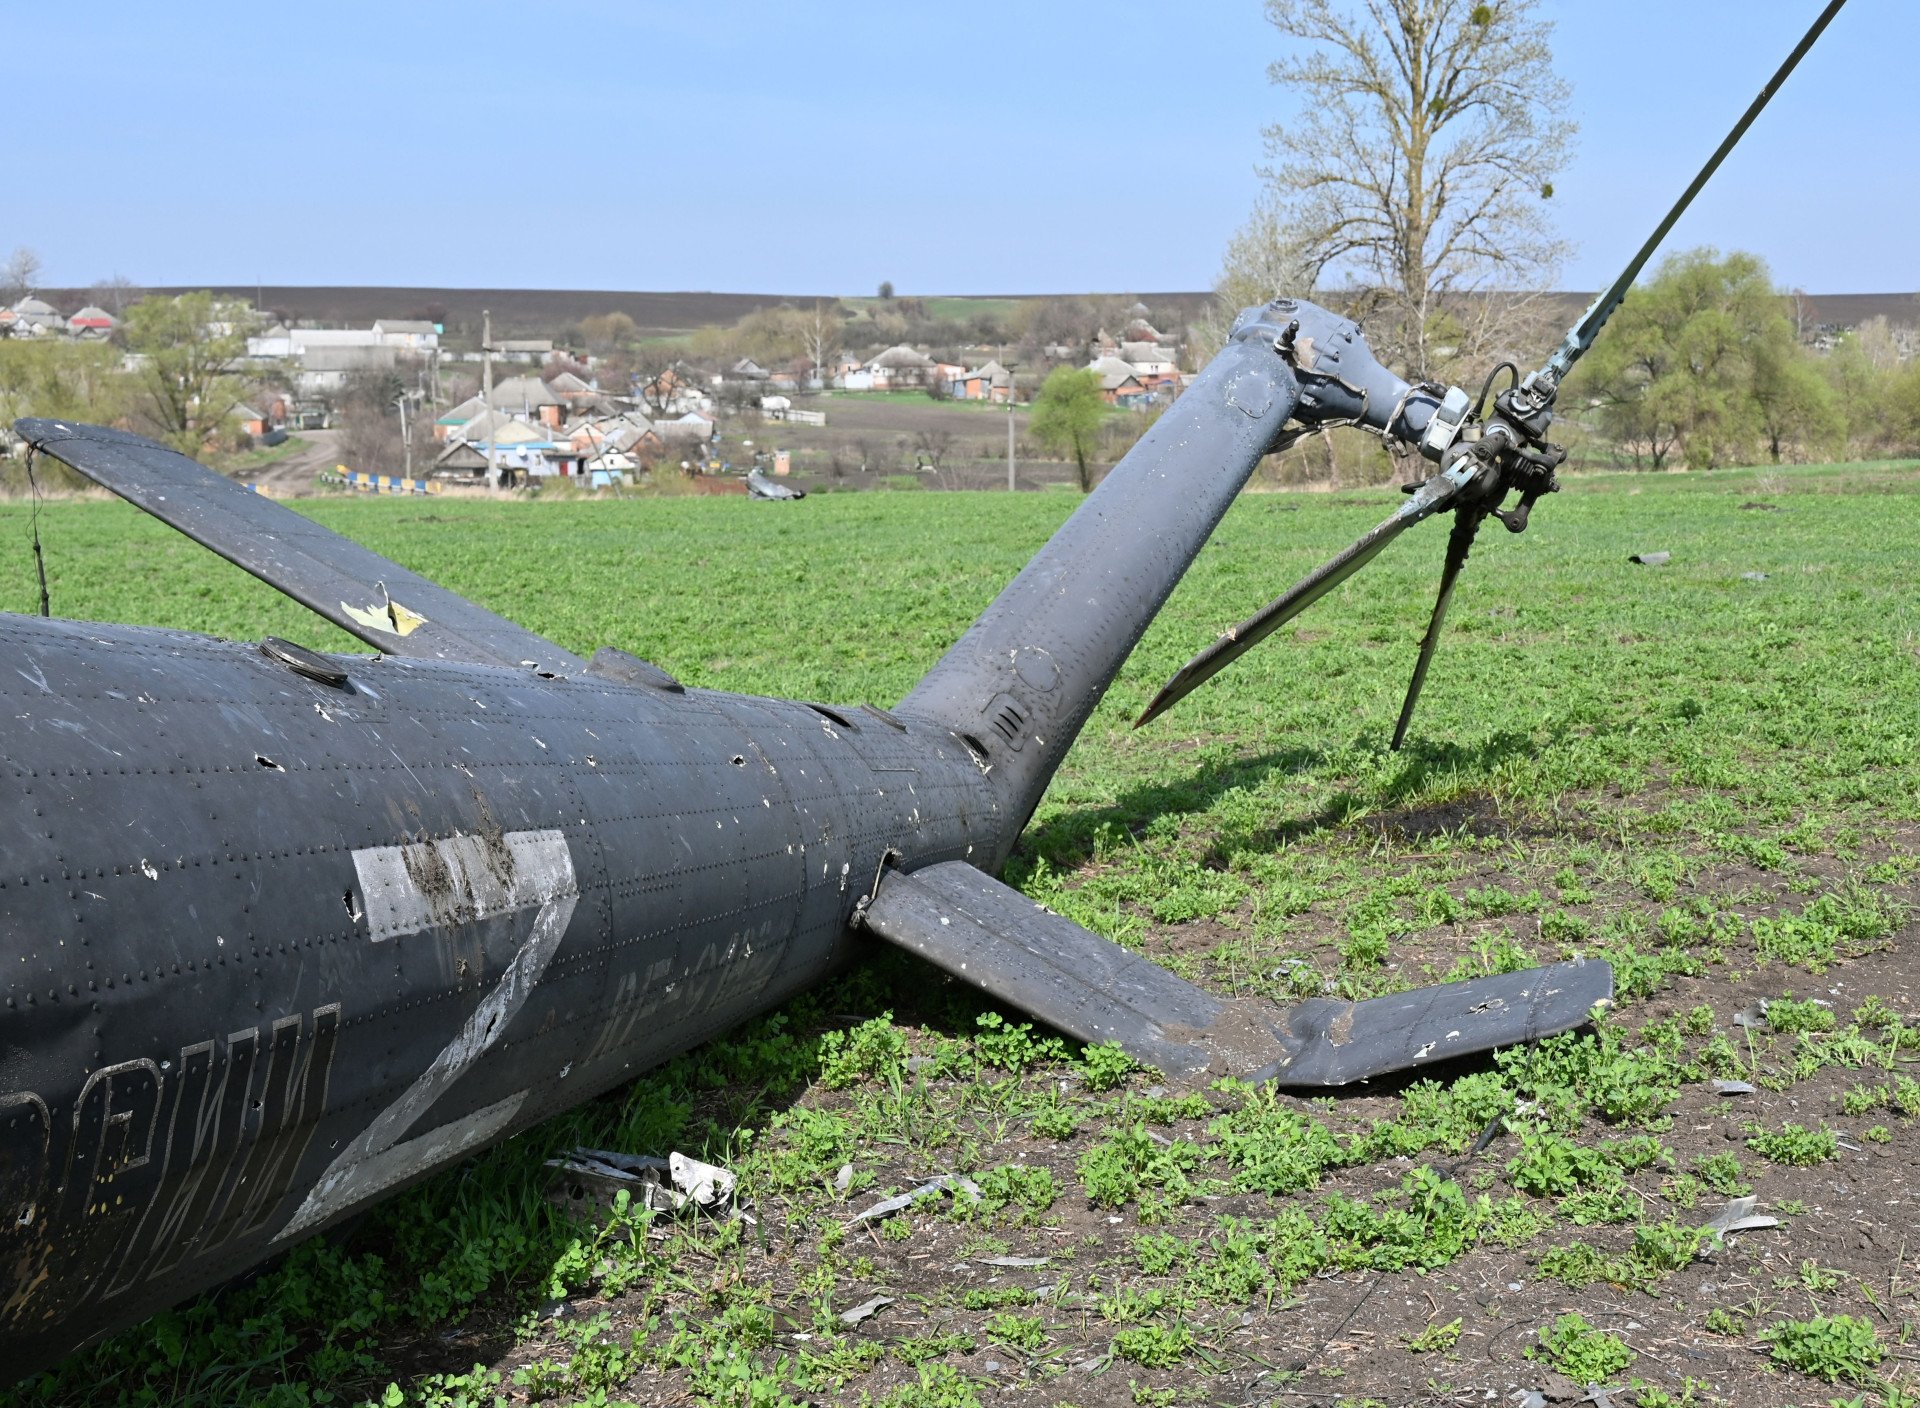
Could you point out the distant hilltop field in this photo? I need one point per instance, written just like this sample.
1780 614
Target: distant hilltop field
533 311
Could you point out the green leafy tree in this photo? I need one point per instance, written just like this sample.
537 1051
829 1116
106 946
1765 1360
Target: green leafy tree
1678 368
59 380
1904 408
1793 403
1067 415
189 351
1864 388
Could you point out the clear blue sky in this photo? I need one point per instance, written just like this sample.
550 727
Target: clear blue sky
751 145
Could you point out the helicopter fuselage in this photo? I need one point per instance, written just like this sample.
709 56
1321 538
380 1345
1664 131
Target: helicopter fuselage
301 944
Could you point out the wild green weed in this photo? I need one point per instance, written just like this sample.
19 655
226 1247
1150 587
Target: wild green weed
1793 1144
1583 1353
1830 1347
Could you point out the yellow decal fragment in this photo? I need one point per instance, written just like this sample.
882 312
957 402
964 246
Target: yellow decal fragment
390 617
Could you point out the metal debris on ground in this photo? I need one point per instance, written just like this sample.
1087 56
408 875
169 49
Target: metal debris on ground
1753 576
1650 559
597 1176
843 1179
1734 1087
864 1309
759 486
1013 1261
1739 1216
1754 1014
945 1183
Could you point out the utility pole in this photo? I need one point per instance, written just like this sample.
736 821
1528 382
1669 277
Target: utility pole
486 393
406 433
1012 484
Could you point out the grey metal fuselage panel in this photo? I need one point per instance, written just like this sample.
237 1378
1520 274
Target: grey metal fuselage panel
272 949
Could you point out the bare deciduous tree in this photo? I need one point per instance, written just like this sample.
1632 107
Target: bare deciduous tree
819 329
930 447
1426 144
20 275
370 421
1265 258
115 294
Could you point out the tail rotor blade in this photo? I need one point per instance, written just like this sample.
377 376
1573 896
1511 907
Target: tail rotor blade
1430 498
1459 542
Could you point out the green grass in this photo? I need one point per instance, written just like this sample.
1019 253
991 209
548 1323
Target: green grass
1711 781
952 309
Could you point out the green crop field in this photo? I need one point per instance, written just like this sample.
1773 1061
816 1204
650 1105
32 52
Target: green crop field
1707 772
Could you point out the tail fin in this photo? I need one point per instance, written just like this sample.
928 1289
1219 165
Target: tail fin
315 566
1022 681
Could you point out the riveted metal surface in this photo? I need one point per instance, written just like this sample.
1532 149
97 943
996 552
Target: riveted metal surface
213 1037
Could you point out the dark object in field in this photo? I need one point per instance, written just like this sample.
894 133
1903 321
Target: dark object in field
279 946
274 437
1650 559
761 487
1764 508
1477 462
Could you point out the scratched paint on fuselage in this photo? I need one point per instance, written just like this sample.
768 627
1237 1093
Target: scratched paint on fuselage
193 835
427 887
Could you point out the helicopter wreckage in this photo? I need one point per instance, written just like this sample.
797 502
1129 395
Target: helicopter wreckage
288 931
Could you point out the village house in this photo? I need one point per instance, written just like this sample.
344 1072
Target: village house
522 447
34 317
410 335
990 382
1138 329
449 424
900 366
576 395
515 349
92 323
675 391
689 434
300 341
274 341
1152 363
619 445
1119 386
324 370
529 396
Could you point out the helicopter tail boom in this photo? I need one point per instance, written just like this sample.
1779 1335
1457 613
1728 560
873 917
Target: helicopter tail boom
1022 681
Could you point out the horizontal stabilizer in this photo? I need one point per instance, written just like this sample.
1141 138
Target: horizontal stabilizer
986 934
365 594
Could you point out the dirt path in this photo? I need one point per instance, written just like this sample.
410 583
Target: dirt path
292 477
